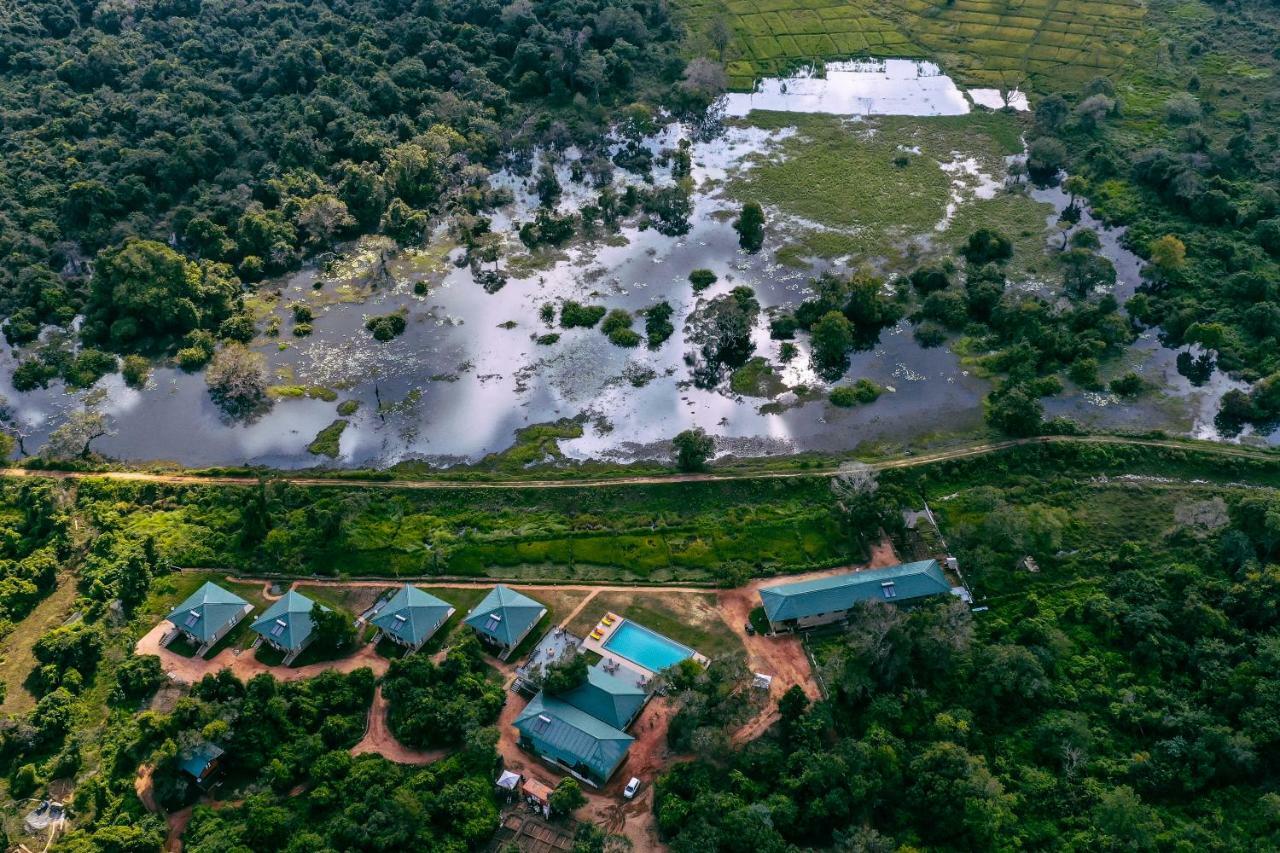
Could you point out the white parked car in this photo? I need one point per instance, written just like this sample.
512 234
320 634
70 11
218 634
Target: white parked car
632 787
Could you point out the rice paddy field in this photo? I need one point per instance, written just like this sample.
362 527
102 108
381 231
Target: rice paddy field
998 43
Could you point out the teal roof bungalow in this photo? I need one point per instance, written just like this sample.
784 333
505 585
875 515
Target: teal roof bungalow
612 694
561 734
208 615
287 624
201 762
504 618
411 617
807 604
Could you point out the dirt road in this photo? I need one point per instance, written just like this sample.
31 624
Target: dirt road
912 461
244 666
378 739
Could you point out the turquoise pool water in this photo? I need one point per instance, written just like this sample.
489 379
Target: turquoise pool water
652 651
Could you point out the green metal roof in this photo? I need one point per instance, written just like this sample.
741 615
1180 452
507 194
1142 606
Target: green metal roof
200 758
207 610
288 622
505 615
412 615
573 735
613 697
840 592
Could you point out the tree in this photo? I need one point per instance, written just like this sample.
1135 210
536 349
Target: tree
1013 409
750 226
143 290
704 81
720 34
832 338
1168 258
986 246
335 633
73 438
1046 156
1084 272
693 448
565 674
237 381
567 797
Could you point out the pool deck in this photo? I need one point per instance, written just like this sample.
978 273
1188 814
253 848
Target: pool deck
606 631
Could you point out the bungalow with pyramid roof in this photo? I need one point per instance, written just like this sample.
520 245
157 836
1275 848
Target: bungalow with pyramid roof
287 625
411 617
208 614
504 618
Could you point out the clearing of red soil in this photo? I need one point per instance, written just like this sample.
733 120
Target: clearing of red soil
605 806
378 739
245 666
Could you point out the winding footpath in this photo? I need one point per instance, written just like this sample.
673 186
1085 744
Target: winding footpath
912 461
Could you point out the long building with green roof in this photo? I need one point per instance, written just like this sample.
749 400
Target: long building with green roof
411 617
503 618
807 604
558 732
287 625
208 615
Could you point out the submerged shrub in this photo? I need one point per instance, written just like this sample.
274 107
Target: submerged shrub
576 315
701 279
386 327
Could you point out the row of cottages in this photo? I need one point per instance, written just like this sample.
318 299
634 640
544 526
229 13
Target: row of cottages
209 614
584 729
824 601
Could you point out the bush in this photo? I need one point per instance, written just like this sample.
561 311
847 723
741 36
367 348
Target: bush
693 448
1129 385
567 798
930 334
301 330
863 391
576 315
701 279
24 782
986 246
750 226
657 324
547 339
238 327
386 327
136 371
843 397
928 279
1084 372
615 321
192 359
302 313
782 327
625 338
137 678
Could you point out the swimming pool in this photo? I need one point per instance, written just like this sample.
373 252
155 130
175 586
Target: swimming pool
652 651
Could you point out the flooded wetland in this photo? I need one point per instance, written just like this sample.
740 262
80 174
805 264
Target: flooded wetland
872 166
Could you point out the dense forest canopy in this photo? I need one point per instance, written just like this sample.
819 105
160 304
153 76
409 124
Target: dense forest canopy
248 134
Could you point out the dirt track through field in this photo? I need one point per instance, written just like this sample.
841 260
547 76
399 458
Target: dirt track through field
980 449
378 739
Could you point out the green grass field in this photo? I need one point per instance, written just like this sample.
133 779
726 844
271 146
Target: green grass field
877 189
1027 43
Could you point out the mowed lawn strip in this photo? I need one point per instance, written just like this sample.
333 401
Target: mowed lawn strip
692 619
